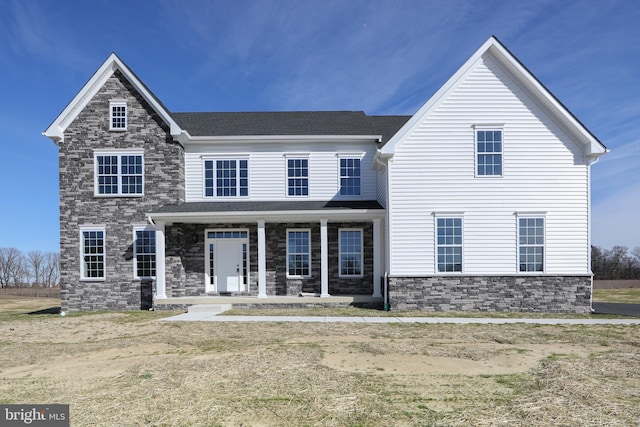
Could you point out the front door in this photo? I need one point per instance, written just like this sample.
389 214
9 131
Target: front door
226 261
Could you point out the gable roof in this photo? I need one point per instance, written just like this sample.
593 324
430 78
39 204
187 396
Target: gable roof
493 47
113 63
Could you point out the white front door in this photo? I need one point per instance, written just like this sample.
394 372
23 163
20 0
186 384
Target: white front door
226 261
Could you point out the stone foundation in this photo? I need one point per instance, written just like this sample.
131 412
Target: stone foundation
542 294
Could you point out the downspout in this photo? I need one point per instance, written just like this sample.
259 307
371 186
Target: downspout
591 163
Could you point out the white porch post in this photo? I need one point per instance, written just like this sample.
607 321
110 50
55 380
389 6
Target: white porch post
161 292
324 260
262 261
377 258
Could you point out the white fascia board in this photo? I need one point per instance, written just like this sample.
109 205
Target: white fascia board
185 137
271 216
56 129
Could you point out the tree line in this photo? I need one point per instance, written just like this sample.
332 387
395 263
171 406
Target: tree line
34 268
617 263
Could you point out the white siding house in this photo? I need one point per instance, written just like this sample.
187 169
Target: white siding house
479 201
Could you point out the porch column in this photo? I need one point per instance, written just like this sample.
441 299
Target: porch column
262 261
377 257
161 292
324 260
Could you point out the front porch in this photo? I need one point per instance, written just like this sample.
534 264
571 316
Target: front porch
249 302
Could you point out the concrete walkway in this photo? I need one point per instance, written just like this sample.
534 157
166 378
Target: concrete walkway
213 317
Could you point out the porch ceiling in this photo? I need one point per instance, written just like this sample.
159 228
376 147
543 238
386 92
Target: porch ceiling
243 211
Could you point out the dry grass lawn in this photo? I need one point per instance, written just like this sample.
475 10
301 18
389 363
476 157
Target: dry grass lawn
131 369
620 295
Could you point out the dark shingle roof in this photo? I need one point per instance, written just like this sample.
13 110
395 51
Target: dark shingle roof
302 123
249 206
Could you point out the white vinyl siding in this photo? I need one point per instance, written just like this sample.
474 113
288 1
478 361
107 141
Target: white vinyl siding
433 170
267 182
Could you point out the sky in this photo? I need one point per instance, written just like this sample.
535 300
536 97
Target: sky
381 57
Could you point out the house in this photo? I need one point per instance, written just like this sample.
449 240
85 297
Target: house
479 201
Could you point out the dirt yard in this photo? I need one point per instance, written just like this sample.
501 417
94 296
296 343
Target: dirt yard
131 369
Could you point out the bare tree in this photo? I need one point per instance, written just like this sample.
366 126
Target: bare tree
10 265
51 270
36 262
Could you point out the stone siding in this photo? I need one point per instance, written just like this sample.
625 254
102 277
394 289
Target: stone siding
545 294
163 184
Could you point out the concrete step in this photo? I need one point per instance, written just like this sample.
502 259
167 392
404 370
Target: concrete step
209 308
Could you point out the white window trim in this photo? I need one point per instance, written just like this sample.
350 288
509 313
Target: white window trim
118 103
237 158
135 255
441 215
339 156
361 230
476 128
308 230
522 215
84 228
293 156
118 153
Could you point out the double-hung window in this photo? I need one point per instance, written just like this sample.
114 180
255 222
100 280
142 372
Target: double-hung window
489 152
349 176
92 253
298 253
350 252
226 178
119 173
144 252
297 177
531 244
449 244
118 115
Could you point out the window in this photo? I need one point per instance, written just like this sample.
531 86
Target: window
349 177
92 251
144 252
531 244
449 247
119 174
350 248
118 115
298 177
226 178
298 253
489 152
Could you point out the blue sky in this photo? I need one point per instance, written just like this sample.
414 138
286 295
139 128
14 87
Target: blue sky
383 57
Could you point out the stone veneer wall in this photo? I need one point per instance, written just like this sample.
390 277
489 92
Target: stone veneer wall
164 184
548 294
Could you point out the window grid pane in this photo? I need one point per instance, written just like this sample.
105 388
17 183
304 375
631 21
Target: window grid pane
350 252
131 170
298 253
145 252
119 174
119 117
489 148
298 177
93 254
449 244
226 178
349 177
531 244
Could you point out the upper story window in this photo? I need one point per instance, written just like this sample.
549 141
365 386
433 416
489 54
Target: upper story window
449 244
119 173
144 252
489 152
92 251
349 176
531 244
226 178
297 177
118 115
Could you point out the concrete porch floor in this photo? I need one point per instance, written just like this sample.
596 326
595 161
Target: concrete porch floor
302 301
